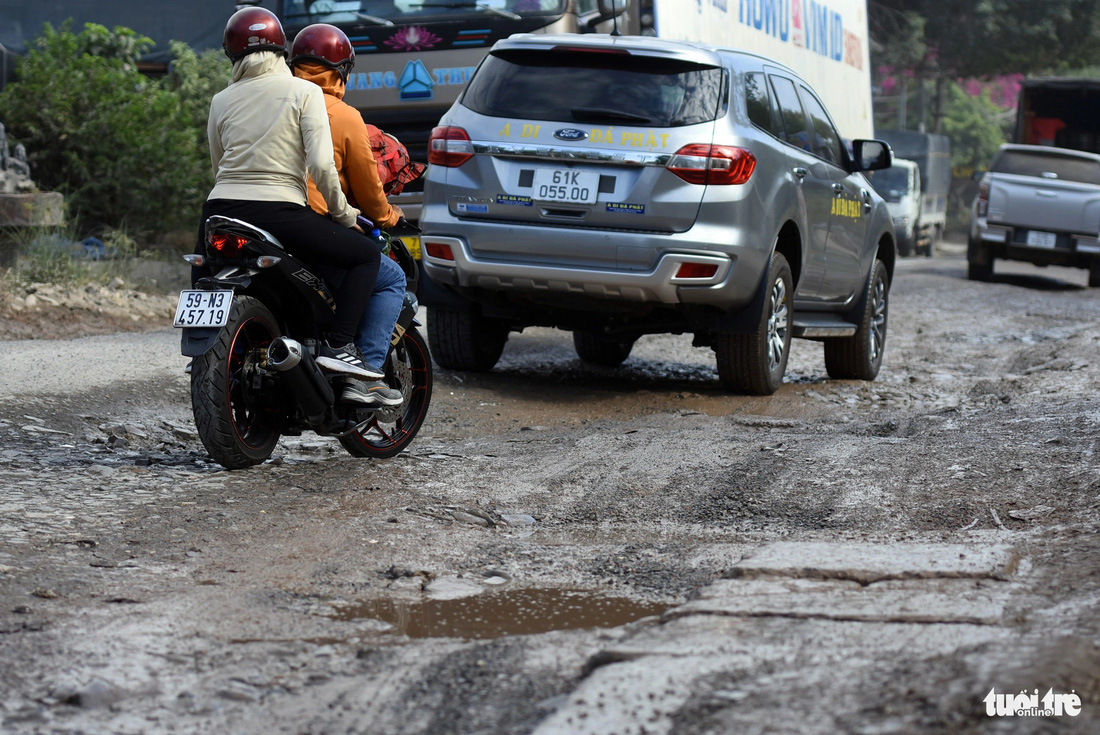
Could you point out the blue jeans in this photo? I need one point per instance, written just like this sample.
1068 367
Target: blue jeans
376 327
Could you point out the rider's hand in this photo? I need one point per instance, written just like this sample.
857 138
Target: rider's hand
356 226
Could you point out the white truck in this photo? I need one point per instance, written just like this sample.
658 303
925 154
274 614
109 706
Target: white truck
824 41
916 188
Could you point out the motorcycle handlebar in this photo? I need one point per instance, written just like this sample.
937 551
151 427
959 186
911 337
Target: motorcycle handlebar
403 226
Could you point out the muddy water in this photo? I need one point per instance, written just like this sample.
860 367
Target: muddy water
502 613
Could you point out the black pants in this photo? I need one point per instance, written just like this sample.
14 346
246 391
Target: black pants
316 240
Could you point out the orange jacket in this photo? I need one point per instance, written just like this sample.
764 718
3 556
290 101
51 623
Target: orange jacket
351 149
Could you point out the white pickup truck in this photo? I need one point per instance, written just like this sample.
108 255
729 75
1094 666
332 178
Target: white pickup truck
1037 204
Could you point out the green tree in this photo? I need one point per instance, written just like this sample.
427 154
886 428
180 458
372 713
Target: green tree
993 37
195 79
120 146
983 38
976 127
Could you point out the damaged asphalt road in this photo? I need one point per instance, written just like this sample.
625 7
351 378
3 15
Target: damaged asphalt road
568 549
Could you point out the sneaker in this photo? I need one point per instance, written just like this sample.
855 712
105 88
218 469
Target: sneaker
346 359
371 394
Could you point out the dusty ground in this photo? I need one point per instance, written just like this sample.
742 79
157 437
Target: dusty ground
568 549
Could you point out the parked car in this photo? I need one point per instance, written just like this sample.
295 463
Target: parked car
1037 204
621 186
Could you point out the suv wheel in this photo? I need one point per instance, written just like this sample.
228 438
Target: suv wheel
600 349
1094 274
859 357
755 363
461 339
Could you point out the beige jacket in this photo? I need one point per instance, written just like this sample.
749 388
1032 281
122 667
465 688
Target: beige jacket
267 131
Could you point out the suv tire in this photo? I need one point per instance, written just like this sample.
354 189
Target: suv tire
755 363
859 357
463 339
600 349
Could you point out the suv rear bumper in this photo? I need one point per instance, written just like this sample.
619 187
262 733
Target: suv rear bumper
732 285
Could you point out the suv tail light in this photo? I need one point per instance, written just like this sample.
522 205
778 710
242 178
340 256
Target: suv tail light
449 146
983 199
700 163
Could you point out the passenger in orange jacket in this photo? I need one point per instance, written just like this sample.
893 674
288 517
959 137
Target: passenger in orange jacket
350 142
322 54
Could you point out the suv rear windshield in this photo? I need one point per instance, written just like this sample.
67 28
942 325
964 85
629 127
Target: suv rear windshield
600 88
1047 166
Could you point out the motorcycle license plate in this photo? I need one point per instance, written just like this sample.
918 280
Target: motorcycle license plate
566 185
203 309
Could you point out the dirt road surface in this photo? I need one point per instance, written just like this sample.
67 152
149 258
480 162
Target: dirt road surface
569 549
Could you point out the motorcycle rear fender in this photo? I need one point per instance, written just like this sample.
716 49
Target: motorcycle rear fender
197 341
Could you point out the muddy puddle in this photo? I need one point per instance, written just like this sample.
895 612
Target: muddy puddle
502 613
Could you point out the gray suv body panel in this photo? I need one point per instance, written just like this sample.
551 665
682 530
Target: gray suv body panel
619 249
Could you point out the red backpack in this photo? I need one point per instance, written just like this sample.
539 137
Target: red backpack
395 168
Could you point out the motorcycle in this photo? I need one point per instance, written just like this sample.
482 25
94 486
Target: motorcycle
252 331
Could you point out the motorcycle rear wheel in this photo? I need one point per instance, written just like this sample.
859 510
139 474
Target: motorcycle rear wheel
388 431
238 424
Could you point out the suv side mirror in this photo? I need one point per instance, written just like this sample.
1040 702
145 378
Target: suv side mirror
871 155
609 8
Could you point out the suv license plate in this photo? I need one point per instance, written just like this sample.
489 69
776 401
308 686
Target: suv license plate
203 309
1040 239
566 185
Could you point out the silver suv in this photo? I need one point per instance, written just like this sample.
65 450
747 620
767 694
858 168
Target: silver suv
621 186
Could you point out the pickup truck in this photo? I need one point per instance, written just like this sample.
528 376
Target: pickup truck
1037 204
919 204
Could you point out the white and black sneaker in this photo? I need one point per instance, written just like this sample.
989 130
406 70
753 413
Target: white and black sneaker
373 394
346 359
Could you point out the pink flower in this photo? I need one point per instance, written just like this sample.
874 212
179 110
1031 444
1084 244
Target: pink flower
413 38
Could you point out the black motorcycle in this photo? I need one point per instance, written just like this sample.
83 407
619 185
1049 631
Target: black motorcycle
252 328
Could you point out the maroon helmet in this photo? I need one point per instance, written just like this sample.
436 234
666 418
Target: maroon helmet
253 29
325 44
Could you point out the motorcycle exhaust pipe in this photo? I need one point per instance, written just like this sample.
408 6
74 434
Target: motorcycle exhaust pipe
302 376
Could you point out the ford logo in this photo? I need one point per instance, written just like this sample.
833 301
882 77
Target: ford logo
570 134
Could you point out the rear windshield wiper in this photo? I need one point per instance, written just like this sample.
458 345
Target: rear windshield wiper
599 114
476 6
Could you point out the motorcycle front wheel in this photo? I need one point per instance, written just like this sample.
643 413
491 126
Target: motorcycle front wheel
390 430
238 423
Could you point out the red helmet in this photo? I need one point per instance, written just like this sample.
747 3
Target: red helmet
253 29
325 44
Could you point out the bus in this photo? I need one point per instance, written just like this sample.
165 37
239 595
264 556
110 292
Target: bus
414 57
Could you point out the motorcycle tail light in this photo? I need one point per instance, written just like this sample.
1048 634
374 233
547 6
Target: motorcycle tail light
226 244
701 163
449 146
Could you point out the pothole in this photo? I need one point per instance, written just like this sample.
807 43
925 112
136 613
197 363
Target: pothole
502 613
